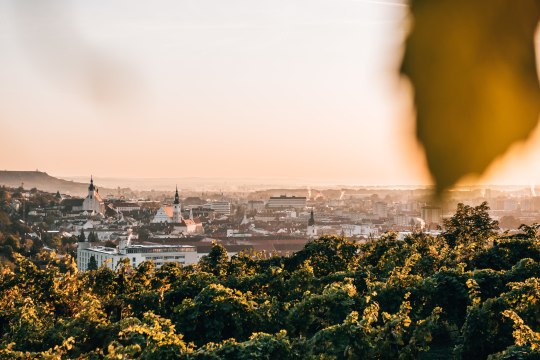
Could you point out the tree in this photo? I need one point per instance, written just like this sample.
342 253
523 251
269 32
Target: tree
92 263
144 234
5 221
110 244
327 254
92 237
509 222
82 237
216 262
216 314
531 231
470 224
13 241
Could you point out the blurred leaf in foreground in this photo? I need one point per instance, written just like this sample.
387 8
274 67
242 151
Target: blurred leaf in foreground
472 64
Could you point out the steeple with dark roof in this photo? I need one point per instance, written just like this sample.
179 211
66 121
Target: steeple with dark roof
91 187
177 208
176 196
93 202
311 221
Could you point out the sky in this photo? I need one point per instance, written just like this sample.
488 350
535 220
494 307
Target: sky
298 89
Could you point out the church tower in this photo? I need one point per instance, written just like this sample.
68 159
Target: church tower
93 201
91 188
311 229
177 209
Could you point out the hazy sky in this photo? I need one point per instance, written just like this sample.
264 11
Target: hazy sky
299 89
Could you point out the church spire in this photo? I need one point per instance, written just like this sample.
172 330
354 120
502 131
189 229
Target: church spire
176 196
91 187
177 209
311 221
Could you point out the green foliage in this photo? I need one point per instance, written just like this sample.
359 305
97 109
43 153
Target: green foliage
152 337
316 312
470 227
216 261
217 313
327 254
260 346
468 293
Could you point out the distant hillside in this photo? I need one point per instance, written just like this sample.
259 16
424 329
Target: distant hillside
45 182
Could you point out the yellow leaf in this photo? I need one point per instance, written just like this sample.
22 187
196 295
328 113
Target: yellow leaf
472 64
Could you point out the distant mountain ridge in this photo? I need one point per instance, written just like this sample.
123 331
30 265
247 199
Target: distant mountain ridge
44 182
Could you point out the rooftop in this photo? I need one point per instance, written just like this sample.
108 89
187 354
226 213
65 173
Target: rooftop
141 248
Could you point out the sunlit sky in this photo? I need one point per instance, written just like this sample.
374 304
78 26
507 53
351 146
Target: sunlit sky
299 89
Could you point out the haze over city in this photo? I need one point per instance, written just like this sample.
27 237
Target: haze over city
306 91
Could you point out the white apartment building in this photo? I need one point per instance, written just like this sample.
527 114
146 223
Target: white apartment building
127 207
159 254
366 230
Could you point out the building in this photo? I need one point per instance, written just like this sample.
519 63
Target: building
163 215
283 201
177 208
72 205
220 207
202 212
311 231
364 230
432 216
93 201
380 209
188 227
126 207
171 214
159 254
255 205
